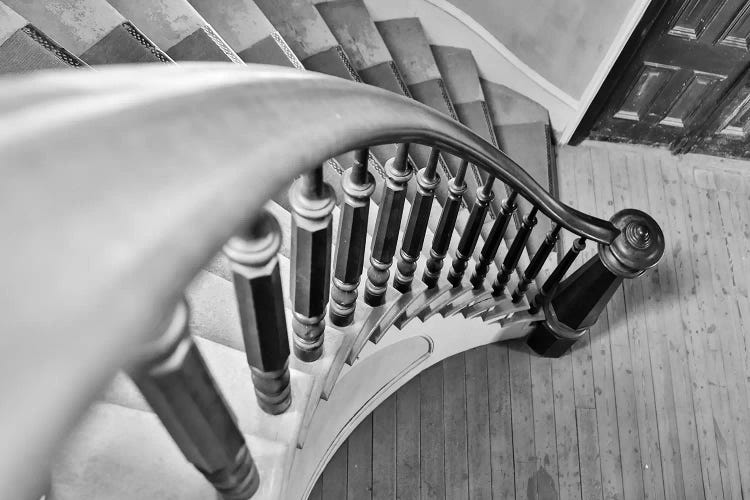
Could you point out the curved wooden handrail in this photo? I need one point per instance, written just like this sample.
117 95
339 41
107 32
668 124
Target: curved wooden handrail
119 184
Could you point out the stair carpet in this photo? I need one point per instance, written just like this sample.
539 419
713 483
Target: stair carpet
339 38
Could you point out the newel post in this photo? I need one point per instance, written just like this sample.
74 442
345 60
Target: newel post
577 302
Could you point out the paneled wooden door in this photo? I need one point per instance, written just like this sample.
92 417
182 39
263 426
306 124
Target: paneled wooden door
684 84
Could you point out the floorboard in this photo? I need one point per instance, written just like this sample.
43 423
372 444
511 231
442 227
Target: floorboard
654 403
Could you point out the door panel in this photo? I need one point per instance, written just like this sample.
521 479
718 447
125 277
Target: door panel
681 75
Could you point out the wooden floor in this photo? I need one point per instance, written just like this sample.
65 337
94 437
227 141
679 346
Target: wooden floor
653 404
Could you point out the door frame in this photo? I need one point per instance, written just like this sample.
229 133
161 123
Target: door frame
652 14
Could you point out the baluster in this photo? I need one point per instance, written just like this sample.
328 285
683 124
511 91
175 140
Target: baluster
312 202
387 227
411 245
442 239
575 305
557 274
257 283
358 184
492 244
174 379
514 253
470 236
540 257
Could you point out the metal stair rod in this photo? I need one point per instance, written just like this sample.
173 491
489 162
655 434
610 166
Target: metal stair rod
411 245
557 274
312 201
575 305
540 257
442 239
470 236
387 226
358 185
492 243
253 257
174 379
514 253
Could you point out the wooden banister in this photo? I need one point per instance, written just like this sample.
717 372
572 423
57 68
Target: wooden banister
119 184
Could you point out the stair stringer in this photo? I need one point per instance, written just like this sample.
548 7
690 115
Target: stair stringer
386 367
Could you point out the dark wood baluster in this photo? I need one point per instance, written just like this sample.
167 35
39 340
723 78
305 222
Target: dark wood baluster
312 202
174 379
540 257
470 236
557 274
257 283
411 246
491 245
358 185
387 226
575 305
514 253
444 231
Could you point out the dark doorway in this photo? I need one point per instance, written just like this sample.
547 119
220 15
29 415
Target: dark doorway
682 81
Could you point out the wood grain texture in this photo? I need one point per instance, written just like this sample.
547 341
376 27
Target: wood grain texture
655 403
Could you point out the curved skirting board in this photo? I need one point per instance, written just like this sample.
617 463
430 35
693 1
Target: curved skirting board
381 370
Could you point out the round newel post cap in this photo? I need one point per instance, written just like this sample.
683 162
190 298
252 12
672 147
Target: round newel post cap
639 246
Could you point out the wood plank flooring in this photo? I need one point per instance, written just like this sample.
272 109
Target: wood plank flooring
653 403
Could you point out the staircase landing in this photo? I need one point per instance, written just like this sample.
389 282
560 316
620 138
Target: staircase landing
654 403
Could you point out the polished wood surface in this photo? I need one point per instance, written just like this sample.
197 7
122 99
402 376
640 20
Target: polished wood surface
652 403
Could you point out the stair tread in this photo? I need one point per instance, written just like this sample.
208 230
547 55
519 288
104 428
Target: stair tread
510 107
351 24
300 24
240 22
461 76
91 21
10 22
247 31
408 46
24 47
178 29
413 57
460 73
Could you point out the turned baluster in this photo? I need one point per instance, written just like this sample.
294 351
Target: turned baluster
557 274
387 227
411 246
575 305
174 379
442 239
312 202
514 253
257 283
357 184
470 236
492 244
540 257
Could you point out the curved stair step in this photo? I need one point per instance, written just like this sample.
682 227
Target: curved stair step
411 52
247 31
178 29
92 30
351 24
23 47
524 133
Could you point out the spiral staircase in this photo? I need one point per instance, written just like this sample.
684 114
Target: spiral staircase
141 173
